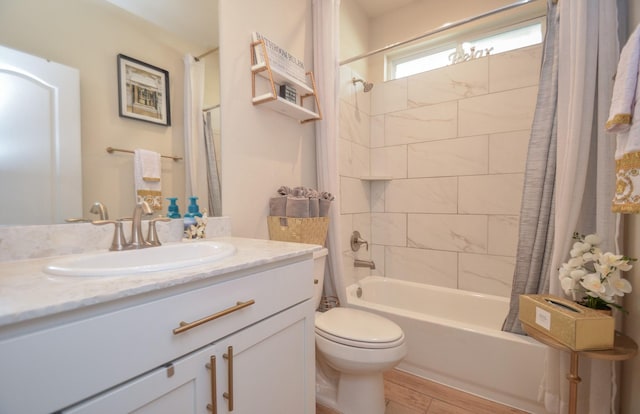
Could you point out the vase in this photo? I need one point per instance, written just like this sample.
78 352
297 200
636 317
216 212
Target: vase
608 312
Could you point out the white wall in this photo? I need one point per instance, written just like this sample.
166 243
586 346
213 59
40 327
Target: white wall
630 393
261 149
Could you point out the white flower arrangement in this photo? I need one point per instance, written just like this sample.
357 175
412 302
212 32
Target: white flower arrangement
592 277
197 231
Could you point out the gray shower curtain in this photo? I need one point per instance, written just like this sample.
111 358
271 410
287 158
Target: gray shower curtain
535 238
213 175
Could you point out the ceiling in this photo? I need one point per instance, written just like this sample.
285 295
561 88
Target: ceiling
374 8
197 23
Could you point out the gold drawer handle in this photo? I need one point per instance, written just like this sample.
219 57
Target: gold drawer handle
185 326
229 395
213 407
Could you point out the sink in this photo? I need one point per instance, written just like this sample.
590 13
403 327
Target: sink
151 259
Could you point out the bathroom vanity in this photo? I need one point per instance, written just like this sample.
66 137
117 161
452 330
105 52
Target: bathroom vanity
234 336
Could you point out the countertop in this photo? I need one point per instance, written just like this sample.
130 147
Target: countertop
27 293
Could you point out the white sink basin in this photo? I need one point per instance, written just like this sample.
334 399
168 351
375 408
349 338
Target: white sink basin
150 259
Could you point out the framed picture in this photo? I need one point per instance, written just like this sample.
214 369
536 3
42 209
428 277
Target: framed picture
143 91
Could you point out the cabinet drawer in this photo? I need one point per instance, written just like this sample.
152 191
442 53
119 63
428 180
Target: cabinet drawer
106 350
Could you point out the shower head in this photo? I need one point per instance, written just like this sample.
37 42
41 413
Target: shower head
367 85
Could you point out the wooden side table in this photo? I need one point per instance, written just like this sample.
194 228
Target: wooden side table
623 348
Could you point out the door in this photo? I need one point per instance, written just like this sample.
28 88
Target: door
40 155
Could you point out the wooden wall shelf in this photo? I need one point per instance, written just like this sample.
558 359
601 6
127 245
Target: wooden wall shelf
276 78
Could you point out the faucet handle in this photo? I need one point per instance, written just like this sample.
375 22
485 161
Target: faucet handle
119 242
357 241
146 208
152 234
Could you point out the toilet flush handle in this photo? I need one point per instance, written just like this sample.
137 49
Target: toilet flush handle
357 241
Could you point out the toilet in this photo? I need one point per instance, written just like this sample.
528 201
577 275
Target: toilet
353 349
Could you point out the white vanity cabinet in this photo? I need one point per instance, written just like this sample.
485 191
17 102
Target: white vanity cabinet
126 356
261 369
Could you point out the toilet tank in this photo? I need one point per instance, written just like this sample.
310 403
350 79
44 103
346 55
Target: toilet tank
319 260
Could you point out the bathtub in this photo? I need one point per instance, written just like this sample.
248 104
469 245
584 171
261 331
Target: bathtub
454 338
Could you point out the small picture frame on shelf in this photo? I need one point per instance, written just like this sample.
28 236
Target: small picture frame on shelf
143 91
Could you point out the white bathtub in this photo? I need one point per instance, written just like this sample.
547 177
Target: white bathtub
454 338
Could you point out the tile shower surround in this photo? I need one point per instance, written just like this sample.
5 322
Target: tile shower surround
454 140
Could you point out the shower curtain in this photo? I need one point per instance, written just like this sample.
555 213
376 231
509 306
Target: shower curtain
587 56
213 174
585 172
535 236
194 145
326 35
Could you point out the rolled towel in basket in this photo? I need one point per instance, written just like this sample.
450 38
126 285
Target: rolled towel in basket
325 203
284 190
314 207
297 207
278 205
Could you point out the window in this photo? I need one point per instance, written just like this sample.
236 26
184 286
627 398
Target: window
428 57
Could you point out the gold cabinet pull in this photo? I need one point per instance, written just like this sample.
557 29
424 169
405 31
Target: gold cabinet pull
185 326
229 395
213 407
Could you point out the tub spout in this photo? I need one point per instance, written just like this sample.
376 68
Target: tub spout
364 263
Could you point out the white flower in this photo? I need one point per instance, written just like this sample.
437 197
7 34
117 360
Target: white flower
593 277
568 285
593 283
619 285
592 239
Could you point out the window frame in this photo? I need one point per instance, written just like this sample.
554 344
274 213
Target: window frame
424 48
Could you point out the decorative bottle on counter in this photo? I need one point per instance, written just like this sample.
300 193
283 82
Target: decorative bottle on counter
173 211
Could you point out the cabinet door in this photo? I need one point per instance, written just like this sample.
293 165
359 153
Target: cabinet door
183 386
271 369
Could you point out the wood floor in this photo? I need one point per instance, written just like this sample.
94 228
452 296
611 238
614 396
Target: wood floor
408 394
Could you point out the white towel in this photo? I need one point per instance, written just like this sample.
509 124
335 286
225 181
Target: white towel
623 100
624 119
146 171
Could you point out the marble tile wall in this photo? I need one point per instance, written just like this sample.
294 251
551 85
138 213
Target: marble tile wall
452 143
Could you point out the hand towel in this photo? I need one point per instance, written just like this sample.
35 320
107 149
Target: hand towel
146 171
625 87
314 207
284 190
297 207
325 203
278 206
624 119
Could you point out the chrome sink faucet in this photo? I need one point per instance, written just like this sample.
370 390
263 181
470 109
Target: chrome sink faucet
137 239
100 209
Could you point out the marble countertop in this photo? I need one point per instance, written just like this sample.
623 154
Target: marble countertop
26 293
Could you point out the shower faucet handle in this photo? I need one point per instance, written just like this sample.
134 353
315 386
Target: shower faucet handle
357 241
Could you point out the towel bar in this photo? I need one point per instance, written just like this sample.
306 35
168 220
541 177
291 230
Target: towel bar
111 150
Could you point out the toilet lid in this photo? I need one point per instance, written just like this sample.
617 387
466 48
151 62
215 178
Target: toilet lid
358 328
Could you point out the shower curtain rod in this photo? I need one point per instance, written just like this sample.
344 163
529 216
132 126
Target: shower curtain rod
208 52
208 108
442 28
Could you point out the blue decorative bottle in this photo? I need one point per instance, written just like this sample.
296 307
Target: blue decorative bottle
173 211
193 212
193 208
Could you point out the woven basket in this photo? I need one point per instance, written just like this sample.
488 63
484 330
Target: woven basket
299 230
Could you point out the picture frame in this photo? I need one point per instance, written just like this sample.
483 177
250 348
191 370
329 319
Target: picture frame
143 91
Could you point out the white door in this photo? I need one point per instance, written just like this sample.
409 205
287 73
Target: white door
40 164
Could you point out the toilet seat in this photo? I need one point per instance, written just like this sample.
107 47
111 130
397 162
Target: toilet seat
353 327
